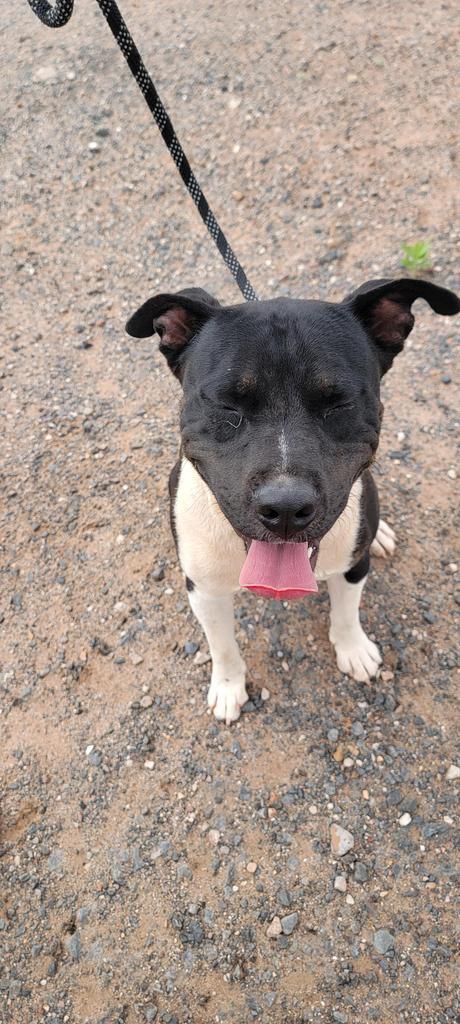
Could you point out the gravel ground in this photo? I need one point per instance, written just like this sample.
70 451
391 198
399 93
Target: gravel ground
157 866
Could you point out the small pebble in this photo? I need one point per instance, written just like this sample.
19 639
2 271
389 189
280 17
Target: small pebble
361 874
201 658
274 929
47 73
340 883
405 819
341 840
264 693
289 922
251 867
73 944
383 941
453 773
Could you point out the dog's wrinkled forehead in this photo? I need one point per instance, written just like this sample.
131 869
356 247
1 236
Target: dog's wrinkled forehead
278 341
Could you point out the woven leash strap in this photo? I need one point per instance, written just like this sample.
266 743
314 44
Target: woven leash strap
58 14
52 15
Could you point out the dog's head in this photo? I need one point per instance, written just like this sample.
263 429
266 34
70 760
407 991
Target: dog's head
281 409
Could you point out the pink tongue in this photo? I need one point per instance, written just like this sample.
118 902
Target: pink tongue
282 571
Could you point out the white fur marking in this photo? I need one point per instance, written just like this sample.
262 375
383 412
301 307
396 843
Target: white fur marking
210 552
357 656
284 449
338 546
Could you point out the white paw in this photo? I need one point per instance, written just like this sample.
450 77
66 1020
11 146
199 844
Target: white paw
384 541
358 657
226 698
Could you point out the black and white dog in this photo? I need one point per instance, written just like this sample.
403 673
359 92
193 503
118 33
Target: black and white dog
280 423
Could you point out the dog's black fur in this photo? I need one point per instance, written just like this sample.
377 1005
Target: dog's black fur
308 369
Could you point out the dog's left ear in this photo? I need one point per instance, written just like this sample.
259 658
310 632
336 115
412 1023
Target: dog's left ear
176 318
384 309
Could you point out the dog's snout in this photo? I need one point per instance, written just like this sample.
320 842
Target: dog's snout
285 507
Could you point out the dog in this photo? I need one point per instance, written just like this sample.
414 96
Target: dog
280 423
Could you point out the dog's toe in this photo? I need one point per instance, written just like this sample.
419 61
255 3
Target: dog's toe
384 542
226 698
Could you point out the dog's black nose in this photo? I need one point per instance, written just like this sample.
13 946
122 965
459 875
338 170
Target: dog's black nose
286 507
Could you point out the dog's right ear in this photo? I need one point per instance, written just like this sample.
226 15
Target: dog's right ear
176 318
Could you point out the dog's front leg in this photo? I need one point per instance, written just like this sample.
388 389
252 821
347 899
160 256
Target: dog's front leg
227 692
357 656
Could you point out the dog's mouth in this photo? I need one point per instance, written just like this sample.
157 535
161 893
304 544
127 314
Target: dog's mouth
281 570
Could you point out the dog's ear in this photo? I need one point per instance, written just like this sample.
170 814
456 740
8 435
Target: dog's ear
384 309
176 318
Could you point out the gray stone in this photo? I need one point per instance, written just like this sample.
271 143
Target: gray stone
55 860
183 872
361 872
383 940
284 897
82 915
288 923
73 945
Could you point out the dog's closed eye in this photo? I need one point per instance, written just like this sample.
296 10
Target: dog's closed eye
337 408
236 420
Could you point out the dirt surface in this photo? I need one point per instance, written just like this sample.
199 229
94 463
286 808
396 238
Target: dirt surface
147 849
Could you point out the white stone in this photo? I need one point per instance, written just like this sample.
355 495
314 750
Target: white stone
201 658
453 772
47 73
340 883
405 819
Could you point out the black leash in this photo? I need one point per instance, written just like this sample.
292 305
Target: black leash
57 15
